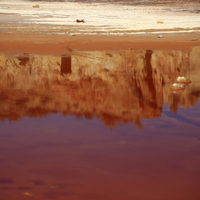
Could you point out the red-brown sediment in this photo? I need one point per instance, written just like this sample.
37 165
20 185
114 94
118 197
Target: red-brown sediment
53 44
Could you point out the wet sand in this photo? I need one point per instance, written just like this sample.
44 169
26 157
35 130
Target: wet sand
56 44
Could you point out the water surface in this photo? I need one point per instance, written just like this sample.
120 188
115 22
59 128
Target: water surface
100 125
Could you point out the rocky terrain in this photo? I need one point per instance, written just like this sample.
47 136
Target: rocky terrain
115 87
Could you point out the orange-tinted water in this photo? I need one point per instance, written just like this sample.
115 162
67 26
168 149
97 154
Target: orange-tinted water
107 128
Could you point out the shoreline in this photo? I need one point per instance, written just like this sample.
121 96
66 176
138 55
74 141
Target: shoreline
99 18
84 29
48 27
56 44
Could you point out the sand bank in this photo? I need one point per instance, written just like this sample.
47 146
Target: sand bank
56 44
48 27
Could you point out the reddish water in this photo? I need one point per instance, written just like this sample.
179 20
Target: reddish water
56 143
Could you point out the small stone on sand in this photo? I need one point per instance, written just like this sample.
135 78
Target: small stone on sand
194 39
36 6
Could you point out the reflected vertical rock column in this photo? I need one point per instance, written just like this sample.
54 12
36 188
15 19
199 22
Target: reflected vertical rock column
66 64
115 87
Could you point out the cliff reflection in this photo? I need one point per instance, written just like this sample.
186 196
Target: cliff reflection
115 87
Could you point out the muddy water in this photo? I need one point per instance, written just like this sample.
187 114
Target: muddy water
100 125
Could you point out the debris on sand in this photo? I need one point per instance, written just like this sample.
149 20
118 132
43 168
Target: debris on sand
36 6
69 49
80 20
194 39
160 22
160 36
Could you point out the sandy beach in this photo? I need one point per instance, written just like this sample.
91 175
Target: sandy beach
48 27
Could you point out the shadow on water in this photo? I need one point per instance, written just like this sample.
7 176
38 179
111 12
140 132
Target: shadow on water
181 118
115 87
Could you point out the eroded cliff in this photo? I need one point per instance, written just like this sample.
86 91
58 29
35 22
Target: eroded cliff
115 87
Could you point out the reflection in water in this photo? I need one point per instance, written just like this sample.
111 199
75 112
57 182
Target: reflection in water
23 59
44 155
115 87
66 64
181 118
